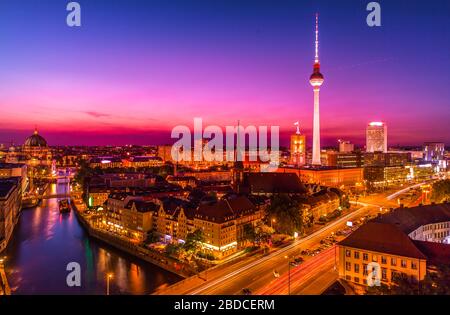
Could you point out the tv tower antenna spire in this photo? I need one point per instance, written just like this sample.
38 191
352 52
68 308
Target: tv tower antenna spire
316 60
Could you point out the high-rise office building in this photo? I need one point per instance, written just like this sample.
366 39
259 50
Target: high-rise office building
346 146
376 137
433 151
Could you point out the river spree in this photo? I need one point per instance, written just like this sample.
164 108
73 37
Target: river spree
45 241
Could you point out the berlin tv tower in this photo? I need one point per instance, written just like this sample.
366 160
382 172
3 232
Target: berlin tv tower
316 81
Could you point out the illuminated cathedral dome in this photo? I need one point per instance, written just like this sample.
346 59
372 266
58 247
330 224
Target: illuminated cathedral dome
35 140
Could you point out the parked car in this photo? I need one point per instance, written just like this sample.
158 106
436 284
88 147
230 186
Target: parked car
246 291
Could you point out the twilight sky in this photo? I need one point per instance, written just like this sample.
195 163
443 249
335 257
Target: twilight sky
135 69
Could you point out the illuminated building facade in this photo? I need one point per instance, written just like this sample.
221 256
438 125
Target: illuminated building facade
404 242
223 224
328 176
383 176
298 149
15 170
392 168
433 151
387 159
376 137
129 216
143 161
106 162
345 159
10 205
346 146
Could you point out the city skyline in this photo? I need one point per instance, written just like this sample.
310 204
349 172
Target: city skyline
188 151
166 67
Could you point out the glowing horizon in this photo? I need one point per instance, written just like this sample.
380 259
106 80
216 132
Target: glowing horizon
166 63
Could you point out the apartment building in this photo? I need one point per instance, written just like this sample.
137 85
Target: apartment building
130 216
10 205
222 222
405 241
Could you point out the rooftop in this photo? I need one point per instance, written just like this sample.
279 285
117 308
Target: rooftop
389 233
143 205
409 219
225 209
382 238
274 183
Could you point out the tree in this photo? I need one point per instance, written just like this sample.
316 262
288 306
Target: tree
193 241
172 249
435 283
441 191
258 234
83 172
288 214
400 285
263 233
249 233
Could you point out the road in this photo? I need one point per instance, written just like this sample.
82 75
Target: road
257 272
311 277
303 278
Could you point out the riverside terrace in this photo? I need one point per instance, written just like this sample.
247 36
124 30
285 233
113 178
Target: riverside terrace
222 221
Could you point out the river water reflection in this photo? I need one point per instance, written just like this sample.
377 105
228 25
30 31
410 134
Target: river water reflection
45 241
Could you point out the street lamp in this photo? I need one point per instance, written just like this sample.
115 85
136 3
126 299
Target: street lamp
289 274
108 278
272 222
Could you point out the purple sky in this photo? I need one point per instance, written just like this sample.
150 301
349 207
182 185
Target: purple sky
136 69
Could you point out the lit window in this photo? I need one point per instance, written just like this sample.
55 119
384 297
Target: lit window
348 266
384 274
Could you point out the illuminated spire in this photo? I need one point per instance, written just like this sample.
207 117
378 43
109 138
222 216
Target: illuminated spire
316 60
298 127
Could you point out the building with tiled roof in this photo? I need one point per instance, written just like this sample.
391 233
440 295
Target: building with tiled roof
405 241
222 222
130 216
272 183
